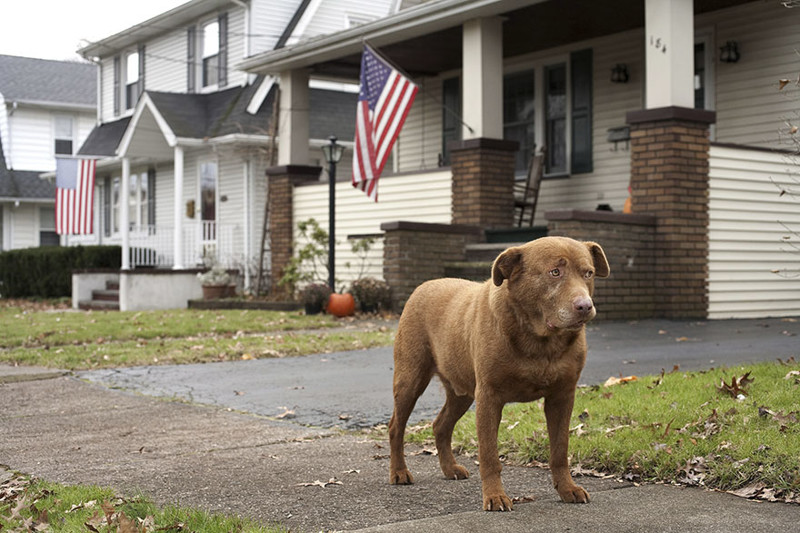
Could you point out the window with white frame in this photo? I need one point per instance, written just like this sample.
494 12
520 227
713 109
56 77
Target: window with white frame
63 130
131 79
47 227
210 54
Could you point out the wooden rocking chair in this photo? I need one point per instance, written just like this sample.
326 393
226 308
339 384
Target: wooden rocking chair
526 193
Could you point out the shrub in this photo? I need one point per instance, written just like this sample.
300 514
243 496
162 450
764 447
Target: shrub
371 294
47 272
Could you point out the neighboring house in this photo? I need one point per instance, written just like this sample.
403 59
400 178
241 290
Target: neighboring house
184 135
47 108
677 99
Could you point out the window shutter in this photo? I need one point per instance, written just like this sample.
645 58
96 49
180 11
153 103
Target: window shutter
107 207
141 70
191 47
222 59
117 76
151 196
581 70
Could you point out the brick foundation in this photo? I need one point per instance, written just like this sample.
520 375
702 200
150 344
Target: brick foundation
281 181
669 180
415 252
629 293
483 182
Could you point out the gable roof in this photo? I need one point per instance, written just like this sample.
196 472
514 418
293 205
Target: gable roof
104 139
30 80
23 185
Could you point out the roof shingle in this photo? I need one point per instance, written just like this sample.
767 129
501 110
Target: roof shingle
43 80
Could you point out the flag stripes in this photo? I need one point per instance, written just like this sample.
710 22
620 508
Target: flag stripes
75 196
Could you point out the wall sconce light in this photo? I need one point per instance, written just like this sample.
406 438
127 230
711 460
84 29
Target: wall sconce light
619 74
729 53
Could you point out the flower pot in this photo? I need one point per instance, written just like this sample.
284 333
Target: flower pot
313 308
214 292
341 305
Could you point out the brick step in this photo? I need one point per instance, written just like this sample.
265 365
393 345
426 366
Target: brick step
112 285
98 305
107 295
471 270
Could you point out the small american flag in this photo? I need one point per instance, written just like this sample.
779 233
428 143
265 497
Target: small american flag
383 104
74 195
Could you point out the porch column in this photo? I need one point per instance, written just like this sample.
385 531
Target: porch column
669 46
293 133
124 216
280 193
482 86
177 208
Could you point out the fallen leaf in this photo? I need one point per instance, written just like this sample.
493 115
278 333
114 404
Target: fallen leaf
782 83
619 381
736 386
512 426
321 484
287 414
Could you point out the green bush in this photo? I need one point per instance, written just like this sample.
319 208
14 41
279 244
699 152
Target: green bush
47 272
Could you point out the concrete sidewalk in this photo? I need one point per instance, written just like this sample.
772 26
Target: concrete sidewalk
69 430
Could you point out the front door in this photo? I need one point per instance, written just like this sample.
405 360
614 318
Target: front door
208 209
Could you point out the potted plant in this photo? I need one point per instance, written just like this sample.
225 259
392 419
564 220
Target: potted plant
372 294
216 283
315 297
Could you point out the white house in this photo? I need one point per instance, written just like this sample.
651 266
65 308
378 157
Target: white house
678 99
39 119
184 136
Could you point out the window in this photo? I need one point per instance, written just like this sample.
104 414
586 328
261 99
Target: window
519 114
131 79
211 54
550 106
47 227
451 113
140 202
63 134
115 205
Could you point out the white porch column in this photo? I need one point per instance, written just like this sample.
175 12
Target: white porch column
669 45
293 133
246 216
482 80
177 245
124 216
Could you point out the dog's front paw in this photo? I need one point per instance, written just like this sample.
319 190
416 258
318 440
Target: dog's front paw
497 502
401 477
573 494
456 471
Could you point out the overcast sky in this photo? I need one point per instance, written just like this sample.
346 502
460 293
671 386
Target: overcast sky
55 29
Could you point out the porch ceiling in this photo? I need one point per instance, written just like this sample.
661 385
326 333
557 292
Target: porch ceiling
528 29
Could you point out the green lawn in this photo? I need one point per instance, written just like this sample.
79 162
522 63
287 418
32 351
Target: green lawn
83 340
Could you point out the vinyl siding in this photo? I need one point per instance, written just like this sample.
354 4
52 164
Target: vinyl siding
417 198
32 137
334 16
747 215
268 20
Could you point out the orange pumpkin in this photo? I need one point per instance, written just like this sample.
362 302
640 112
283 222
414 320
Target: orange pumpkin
341 304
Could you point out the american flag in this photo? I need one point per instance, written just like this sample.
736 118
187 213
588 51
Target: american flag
74 195
383 104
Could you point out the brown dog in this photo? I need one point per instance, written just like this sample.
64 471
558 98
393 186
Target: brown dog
515 338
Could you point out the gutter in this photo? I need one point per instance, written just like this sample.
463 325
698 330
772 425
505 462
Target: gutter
420 20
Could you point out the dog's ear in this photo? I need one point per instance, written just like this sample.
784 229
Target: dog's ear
505 264
601 268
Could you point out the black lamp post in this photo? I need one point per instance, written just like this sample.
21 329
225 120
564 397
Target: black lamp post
333 154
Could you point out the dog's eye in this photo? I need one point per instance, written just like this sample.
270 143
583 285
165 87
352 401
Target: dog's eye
588 274
555 273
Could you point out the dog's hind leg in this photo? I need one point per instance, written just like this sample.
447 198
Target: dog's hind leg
454 408
410 381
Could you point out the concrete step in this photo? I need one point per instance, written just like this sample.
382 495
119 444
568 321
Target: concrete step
98 305
106 295
112 285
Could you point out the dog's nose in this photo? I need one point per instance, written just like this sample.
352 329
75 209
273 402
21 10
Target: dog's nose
583 305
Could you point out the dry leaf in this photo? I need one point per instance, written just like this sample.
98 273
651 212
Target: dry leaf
618 381
782 83
318 483
736 387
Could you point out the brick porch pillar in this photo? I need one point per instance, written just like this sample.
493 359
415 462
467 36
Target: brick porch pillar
669 179
281 182
483 182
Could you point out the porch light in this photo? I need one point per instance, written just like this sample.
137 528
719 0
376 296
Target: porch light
333 154
729 53
619 74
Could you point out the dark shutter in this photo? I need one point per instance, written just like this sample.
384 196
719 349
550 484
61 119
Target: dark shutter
151 197
107 206
191 48
581 70
117 75
222 60
451 116
141 71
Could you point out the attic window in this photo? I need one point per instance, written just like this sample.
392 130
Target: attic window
63 134
211 54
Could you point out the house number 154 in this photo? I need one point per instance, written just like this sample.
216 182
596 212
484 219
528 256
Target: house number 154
658 44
